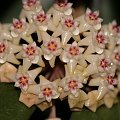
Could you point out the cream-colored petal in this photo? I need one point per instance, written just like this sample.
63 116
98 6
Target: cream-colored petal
28 39
44 105
82 62
26 64
56 17
48 56
76 38
83 96
112 44
76 31
99 50
28 99
93 107
73 101
95 82
14 34
91 58
33 73
32 29
34 89
35 60
44 28
84 26
102 90
58 31
92 98
3 78
80 105
65 37
41 62
45 36
4 69
14 48
64 57
63 95
68 12
43 80
72 65
39 36
10 76
11 58
19 55
97 27
85 41
109 101
51 26
90 49
91 69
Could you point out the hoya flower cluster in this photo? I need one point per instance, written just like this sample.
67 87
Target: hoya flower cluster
51 55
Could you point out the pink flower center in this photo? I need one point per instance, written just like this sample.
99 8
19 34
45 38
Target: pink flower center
52 46
117 56
23 80
41 17
47 92
93 16
110 79
104 63
30 50
72 84
18 24
100 38
62 4
74 50
31 3
69 23
116 28
2 47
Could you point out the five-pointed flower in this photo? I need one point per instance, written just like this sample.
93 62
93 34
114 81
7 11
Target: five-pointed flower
30 4
68 24
63 6
71 55
18 27
92 17
104 63
71 85
46 90
51 48
116 56
41 20
114 28
7 52
100 40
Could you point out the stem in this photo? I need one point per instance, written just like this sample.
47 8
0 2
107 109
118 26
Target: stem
53 112
52 115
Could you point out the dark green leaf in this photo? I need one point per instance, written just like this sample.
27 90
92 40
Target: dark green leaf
10 107
102 113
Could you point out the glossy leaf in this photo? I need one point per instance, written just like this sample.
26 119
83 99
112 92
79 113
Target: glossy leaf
102 113
10 107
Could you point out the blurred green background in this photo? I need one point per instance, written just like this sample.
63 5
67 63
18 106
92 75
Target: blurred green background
109 9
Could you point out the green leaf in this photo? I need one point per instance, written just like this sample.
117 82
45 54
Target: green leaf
10 107
102 113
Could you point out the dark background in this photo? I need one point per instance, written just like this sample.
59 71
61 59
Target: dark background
109 9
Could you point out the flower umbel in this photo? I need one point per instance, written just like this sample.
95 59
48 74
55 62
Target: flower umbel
23 81
92 17
30 4
30 51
